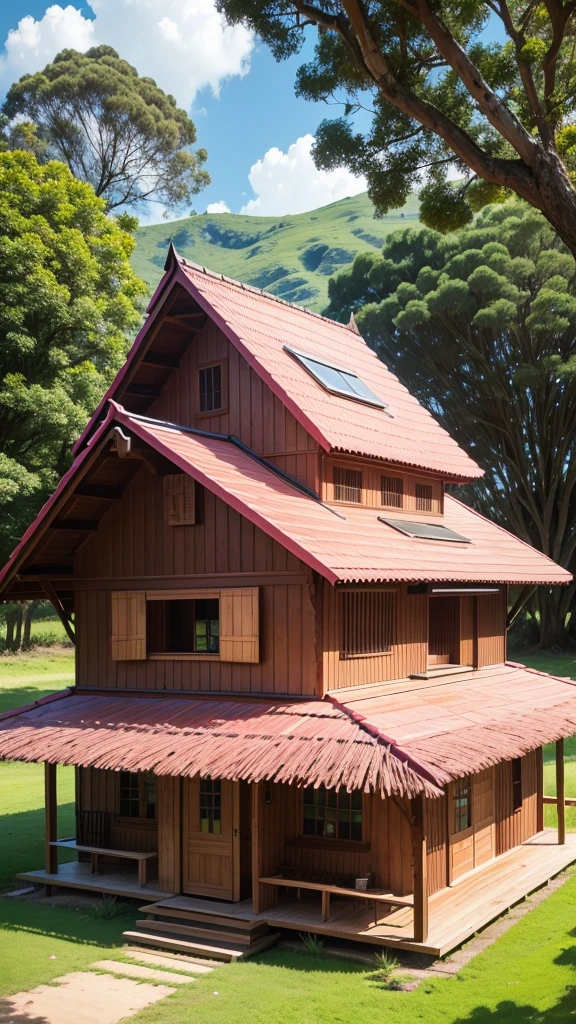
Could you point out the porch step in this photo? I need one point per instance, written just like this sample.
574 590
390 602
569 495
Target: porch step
226 951
176 909
196 930
439 671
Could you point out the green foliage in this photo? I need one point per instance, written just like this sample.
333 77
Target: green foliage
68 297
386 963
480 326
107 908
313 944
440 95
292 256
114 130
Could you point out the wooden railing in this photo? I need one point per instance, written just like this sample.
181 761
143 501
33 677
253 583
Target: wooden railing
569 801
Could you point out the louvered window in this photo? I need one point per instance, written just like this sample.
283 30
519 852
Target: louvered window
392 491
367 622
424 496
347 485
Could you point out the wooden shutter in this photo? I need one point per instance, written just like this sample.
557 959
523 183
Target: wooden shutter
239 631
128 625
179 503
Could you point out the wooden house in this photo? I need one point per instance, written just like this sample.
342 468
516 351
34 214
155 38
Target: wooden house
292 706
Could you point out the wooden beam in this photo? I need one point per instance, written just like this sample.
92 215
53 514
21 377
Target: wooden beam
165 362
75 524
257 789
59 609
51 818
420 860
143 390
560 792
99 491
569 801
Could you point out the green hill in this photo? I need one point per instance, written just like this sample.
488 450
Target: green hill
293 256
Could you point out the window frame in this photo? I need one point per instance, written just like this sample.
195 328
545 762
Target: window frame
365 397
345 652
141 780
458 785
182 595
326 839
350 487
397 491
371 495
223 364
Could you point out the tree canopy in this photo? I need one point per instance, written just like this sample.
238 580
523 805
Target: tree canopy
480 325
114 130
68 297
439 94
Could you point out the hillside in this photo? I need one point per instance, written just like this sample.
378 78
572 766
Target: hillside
293 257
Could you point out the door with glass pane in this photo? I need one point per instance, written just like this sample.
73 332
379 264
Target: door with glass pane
210 838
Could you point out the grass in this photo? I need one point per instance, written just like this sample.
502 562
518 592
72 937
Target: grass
291 256
39 943
528 975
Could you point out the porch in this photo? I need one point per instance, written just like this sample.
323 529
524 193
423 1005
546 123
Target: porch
454 913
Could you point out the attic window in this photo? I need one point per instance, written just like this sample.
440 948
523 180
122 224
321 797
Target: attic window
424 495
336 379
210 381
347 485
392 491
424 531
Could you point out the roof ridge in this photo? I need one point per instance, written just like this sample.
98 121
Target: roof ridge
262 291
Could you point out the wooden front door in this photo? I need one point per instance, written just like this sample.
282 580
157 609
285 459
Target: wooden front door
211 838
443 630
471 808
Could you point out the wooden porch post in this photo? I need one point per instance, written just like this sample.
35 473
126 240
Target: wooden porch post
420 871
256 788
51 818
560 792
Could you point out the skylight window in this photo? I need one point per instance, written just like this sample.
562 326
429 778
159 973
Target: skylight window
337 380
425 531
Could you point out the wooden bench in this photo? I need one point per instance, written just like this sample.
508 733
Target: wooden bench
99 851
376 895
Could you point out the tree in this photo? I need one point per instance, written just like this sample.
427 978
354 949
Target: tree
114 130
68 297
439 94
480 327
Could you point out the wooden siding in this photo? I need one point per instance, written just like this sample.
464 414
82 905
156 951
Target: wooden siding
169 811
408 654
98 790
436 828
491 619
135 541
278 842
514 827
252 412
468 631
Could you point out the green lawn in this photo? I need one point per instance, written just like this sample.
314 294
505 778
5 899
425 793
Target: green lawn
528 975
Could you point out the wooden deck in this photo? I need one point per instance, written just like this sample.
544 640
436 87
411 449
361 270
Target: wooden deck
79 876
454 914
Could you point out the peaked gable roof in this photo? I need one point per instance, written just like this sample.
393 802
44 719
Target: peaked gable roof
262 327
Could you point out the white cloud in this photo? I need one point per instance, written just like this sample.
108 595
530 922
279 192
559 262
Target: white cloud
290 183
184 44
219 207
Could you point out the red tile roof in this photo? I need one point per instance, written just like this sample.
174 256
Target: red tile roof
348 543
304 743
260 325
467 722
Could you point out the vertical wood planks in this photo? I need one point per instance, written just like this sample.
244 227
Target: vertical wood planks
239 625
420 870
128 625
50 818
169 832
179 499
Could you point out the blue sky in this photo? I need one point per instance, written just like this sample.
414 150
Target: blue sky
240 115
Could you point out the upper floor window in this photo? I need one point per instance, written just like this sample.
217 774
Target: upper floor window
517 783
347 484
210 381
424 497
392 491
332 814
187 626
462 805
367 622
137 795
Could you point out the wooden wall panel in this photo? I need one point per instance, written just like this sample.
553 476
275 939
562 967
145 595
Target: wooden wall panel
436 830
253 413
491 618
408 654
514 827
467 631
169 809
99 792
134 540
386 828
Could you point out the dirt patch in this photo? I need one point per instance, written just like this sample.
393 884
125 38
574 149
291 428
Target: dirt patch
81 998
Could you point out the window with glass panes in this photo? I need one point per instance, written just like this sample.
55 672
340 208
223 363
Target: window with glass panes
210 380
332 814
183 626
211 806
462 804
137 795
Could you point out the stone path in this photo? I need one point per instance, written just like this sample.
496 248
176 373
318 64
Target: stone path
85 997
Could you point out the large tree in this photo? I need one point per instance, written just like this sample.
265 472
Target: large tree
68 297
439 93
114 130
480 326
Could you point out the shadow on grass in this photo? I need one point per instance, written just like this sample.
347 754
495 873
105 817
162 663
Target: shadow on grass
11 1016
509 1012
22 840
296 961
15 696
71 924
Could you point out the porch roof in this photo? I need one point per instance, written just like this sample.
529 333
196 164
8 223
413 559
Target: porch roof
303 743
464 723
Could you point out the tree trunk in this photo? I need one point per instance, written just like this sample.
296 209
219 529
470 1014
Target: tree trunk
19 620
554 629
10 624
557 198
28 615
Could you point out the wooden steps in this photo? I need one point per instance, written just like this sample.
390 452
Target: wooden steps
180 924
219 951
